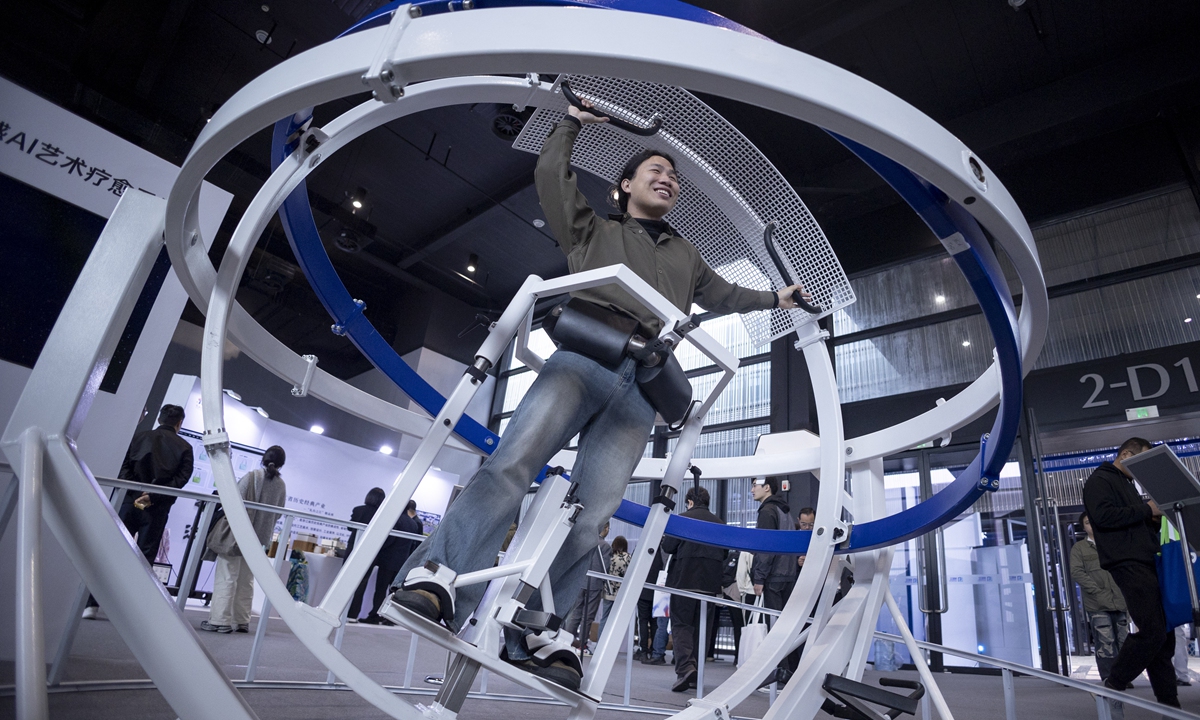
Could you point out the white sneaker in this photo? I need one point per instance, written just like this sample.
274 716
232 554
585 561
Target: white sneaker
91 613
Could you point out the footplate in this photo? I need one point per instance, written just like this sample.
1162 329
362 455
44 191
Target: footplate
443 637
852 692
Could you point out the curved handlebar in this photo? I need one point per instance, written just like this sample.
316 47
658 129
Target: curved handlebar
572 98
769 241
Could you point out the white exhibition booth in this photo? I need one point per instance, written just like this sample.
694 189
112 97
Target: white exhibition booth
324 476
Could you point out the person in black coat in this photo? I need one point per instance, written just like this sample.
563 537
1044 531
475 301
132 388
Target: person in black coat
1126 531
696 568
774 576
389 559
155 457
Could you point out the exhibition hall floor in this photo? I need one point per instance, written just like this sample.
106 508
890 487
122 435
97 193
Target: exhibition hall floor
100 655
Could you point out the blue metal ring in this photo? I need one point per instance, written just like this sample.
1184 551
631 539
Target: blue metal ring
944 216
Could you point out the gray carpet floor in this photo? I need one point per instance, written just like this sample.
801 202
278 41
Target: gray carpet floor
99 654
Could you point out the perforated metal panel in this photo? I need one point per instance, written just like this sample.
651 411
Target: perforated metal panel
729 192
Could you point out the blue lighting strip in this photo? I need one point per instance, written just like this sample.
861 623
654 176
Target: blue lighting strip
945 217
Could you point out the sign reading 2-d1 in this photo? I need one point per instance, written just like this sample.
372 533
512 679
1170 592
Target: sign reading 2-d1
1145 382
1102 391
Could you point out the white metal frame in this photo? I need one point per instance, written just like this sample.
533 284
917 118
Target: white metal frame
459 46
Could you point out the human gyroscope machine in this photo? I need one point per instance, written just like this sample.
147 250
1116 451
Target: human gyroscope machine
748 224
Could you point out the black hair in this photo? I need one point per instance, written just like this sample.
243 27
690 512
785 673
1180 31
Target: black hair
170 415
1134 445
374 497
616 194
411 506
698 496
772 482
806 511
272 460
620 544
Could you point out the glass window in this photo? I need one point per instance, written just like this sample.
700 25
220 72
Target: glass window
748 395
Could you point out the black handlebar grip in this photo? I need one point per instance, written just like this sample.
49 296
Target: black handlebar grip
572 98
769 242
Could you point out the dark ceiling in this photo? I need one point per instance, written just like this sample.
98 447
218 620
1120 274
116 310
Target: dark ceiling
1072 103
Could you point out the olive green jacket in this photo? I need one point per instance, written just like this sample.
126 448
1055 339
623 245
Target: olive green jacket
1100 591
670 265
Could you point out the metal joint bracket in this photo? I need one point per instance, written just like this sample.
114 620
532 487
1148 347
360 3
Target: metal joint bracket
294 138
313 139
715 710
479 369
841 534
218 440
815 334
301 390
381 76
991 484
340 328
535 83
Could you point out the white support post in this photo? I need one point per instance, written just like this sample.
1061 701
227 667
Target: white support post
931 687
56 399
412 658
282 549
701 649
32 703
1010 694
75 616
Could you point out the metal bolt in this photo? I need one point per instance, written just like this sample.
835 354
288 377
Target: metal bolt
849 451
315 159
649 551
489 441
414 11
446 422
387 75
820 531
195 236
397 91
468 4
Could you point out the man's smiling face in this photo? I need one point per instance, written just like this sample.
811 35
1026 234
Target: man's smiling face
653 190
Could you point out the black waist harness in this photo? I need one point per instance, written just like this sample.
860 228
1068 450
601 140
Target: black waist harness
608 337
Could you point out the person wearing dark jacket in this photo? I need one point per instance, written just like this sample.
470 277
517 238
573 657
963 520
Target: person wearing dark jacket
696 568
1102 599
1126 531
391 556
154 457
774 576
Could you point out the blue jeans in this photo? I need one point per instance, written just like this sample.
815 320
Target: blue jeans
660 638
572 395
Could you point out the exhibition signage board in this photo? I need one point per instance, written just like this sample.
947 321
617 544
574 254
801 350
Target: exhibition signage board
1096 392
60 153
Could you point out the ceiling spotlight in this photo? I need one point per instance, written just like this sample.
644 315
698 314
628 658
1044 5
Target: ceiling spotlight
386 449
232 394
262 412
542 223
940 299
966 343
263 37
358 197
317 429
472 263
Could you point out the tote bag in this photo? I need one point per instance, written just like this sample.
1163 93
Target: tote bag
754 634
1173 584
662 600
